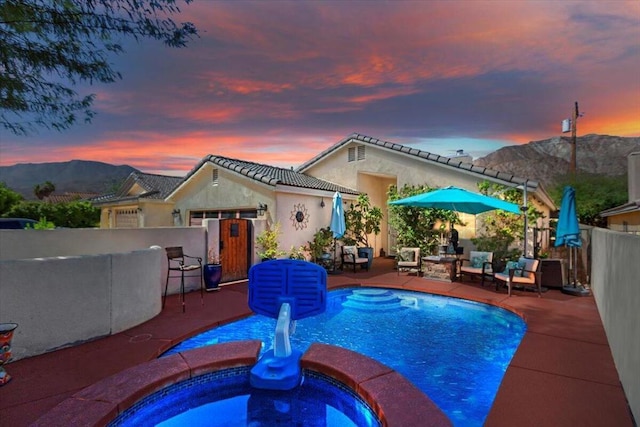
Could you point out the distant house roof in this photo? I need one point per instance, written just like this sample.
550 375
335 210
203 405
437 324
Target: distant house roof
153 186
630 207
68 196
269 175
448 162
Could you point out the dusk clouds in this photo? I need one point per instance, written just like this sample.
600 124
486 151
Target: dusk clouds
277 82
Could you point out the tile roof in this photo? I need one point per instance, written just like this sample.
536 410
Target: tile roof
270 175
632 206
452 162
69 196
155 186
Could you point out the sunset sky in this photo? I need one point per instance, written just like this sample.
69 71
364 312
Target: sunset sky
277 82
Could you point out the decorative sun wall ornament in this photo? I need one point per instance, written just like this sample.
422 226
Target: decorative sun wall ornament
299 216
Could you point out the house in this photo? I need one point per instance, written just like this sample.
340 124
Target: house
223 188
371 165
626 217
139 202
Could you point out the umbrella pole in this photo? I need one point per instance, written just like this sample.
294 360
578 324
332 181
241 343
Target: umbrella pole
333 261
573 289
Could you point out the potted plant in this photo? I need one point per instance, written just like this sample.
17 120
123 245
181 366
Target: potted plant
321 244
361 220
320 247
298 252
212 271
268 242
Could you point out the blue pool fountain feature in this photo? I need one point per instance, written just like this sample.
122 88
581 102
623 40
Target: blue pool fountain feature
286 290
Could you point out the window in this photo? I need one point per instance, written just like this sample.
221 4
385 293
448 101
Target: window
352 154
214 178
196 217
351 157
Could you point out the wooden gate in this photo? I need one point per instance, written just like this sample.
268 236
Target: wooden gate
235 250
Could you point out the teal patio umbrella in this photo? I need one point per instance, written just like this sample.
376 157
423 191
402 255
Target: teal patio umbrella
568 229
459 200
338 225
568 234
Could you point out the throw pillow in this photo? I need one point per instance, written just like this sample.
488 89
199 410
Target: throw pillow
477 261
521 266
349 250
511 265
407 255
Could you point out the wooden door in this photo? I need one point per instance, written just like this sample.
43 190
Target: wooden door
235 251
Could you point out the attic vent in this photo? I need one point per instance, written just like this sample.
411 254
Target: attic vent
361 152
352 154
214 179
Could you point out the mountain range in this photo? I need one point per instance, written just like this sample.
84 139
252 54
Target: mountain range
543 161
547 160
75 176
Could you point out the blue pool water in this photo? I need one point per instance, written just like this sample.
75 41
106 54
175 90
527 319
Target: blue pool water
226 399
454 350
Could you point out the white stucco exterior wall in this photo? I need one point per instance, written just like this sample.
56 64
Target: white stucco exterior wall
615 282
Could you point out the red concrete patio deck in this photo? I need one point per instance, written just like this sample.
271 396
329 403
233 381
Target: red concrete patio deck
561 375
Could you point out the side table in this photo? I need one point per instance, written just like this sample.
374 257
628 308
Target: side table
440 268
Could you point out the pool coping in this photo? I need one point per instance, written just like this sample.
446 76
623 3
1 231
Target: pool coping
394 399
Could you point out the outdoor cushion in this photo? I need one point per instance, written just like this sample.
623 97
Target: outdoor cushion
407 255
528 277
350 250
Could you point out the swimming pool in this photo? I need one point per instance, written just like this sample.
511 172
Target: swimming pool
456 351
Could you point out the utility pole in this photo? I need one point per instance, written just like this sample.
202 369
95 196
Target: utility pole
572 162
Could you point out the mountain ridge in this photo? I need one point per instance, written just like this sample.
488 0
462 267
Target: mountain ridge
548 159
543 161
81 176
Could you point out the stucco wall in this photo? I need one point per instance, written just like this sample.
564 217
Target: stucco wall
296 233
615 282
25 244
59 301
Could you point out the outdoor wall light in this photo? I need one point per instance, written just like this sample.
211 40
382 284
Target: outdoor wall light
262 208
176 213
322 203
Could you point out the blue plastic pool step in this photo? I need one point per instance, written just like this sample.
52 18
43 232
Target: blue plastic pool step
373 299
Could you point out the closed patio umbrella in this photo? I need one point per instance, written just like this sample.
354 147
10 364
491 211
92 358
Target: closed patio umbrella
568 234
337 226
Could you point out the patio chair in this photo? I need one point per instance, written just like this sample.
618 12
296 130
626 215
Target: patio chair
478 264
525 272
350 257
176 260
408 259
